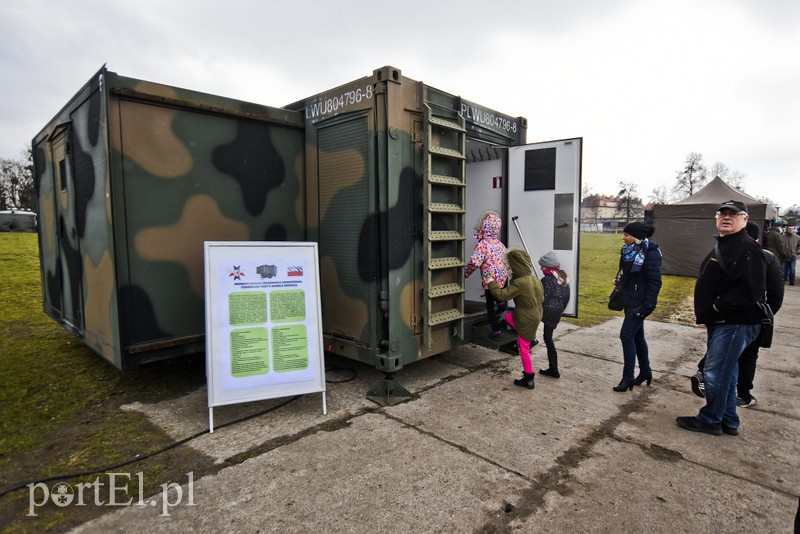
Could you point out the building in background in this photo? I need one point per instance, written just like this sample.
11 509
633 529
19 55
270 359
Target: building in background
607 213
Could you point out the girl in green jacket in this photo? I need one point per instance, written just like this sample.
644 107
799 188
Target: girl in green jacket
528 294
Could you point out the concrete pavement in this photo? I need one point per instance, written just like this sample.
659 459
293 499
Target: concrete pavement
473 453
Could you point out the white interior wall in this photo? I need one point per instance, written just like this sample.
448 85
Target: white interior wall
484 192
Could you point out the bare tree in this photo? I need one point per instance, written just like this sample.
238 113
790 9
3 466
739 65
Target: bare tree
692 176
721 170
736 179
628 203
16 182
730 176
661 195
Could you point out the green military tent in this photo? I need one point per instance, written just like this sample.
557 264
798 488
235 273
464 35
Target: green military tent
686 229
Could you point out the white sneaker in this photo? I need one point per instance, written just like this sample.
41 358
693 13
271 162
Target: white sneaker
741 403
698 386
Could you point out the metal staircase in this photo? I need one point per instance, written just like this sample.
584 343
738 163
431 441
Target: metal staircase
444 198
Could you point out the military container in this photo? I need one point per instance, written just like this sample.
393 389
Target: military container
385 173
132 177
397 173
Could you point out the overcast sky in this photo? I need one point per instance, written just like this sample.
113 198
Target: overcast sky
645 83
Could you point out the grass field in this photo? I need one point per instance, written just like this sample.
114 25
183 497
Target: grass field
60 402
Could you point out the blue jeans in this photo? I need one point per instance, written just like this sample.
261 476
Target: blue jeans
789 270
721 371
633 345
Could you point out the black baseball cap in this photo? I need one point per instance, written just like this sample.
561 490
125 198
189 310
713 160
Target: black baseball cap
735 205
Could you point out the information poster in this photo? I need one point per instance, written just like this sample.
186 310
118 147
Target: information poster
263 321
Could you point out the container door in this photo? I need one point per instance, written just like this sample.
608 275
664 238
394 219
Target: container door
347 230
70 271
544 204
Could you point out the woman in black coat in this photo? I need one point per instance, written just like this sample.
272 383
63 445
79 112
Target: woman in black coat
640 262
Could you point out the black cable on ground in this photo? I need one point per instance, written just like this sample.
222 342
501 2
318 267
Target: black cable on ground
338 369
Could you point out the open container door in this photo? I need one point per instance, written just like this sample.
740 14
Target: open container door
544 184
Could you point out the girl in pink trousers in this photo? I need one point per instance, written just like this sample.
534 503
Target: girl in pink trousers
528 294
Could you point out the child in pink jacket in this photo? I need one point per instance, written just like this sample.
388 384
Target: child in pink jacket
489 257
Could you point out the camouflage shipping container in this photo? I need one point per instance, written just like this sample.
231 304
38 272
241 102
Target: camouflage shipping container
397 173
132 177
385 173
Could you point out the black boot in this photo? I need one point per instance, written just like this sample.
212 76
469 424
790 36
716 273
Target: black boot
625 384
526 381
552 359
643 378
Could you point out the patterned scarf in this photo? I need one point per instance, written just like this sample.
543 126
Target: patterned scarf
634 254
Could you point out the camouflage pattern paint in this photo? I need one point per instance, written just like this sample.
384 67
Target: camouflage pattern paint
134 176
366 211
151 173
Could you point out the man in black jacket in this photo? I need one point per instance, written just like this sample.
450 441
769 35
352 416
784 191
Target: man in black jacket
747 361
732 280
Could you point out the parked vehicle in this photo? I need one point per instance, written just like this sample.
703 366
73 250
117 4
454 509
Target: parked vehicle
17 221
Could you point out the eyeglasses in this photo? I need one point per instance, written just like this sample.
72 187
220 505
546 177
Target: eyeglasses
728 214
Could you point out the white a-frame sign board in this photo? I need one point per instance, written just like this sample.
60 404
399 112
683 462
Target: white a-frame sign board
263 322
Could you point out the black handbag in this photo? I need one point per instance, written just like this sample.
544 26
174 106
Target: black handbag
767 325
616 300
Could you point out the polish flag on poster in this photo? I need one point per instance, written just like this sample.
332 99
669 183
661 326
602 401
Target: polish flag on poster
295 271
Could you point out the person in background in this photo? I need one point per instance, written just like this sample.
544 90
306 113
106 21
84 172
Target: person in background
747 361
731 282
556 297
489 257
640 261
774 241
528 295
791 248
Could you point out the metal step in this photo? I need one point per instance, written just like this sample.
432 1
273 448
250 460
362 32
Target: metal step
446 235
446 316
441 207
444 123
444 263
444 290
446 180
449 152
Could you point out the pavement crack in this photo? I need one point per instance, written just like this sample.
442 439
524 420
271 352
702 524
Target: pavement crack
557 477
783 492
455 445
330 425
